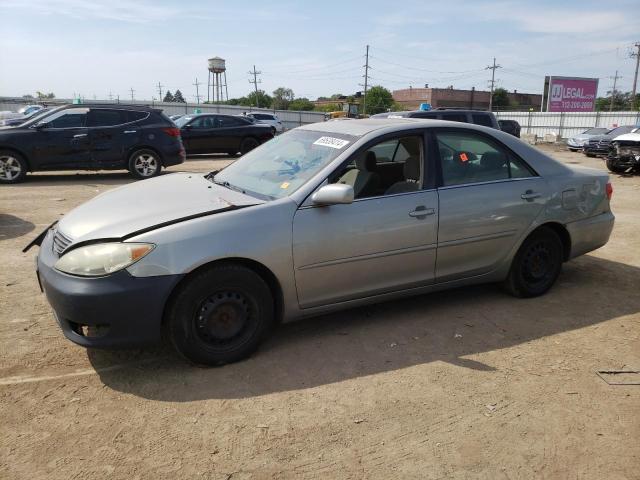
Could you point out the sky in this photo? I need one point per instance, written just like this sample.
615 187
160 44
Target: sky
316 48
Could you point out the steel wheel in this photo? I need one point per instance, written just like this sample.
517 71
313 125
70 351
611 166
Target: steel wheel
223 318
145 165
10 168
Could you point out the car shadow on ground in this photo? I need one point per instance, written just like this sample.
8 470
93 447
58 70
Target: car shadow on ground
13 227
446 326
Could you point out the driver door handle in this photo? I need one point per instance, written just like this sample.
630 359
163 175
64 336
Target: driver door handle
530 195
130 131
421 211
79 135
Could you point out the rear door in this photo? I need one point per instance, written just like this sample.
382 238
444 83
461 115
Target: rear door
62 141
113 133
488 199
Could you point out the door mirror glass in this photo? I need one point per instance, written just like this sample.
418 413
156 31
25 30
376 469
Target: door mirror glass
334 194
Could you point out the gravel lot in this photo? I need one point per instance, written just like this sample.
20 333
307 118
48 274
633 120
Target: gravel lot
470 383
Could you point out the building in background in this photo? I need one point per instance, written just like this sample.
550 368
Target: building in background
411 98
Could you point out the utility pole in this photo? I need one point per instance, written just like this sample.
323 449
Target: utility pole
613 92
255 82
366 82
197 84
132 92
635 75
493 80
160 91
110 96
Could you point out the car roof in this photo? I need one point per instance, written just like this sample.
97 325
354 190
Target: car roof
360 127
119 106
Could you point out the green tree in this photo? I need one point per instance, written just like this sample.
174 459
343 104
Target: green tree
261 99
379 100
500 98
168 97
303 104
177 97
621 101
43 96
282 97
327 107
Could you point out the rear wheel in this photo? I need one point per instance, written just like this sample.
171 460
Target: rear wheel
13 168
589 154
537 264
220 315
144 164
248 144
614 167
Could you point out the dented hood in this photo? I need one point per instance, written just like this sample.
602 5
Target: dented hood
149 204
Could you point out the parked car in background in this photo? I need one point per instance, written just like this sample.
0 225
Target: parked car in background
269 119
578 142
91 137
324 217
510 126
215 133
624 153
13 122
21 113
477 117
599 144
175 117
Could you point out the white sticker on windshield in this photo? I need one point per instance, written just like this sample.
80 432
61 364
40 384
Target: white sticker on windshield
331 142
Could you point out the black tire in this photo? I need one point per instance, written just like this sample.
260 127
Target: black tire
232 154
144 163
590 155
13 167
273 131
248 144
537 264
220 315
613 167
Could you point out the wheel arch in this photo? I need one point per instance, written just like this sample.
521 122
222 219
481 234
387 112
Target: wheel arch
133 150
262 270
19 152
564 235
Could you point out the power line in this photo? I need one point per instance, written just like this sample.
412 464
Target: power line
493 69
255 82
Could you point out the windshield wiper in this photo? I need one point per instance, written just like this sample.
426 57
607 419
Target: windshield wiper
226 185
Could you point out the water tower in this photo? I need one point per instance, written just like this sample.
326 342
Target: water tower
217 80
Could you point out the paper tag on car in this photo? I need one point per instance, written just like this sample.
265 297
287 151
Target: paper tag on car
331 142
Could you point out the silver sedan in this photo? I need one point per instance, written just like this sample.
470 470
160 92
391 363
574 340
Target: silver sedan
324 217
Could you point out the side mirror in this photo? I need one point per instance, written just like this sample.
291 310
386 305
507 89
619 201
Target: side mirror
41 125
187 127
334 194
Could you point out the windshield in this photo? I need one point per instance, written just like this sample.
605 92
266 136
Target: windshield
36 118
595 131
619 130
182 121
282 165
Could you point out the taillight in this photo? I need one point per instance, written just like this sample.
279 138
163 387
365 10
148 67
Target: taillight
172 131
609 190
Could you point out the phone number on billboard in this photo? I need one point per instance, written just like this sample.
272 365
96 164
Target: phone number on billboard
588 104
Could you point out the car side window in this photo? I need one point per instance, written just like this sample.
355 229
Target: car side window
481 119
455 117
71 118
467 157
386 168
230 122
204 122
101 117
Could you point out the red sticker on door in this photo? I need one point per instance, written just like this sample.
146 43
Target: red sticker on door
463 157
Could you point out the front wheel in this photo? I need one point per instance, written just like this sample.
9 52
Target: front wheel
220 315
537 264
13 167
144 164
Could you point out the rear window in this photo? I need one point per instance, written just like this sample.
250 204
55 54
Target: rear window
481 119
135 116
425 115
262 116
102 117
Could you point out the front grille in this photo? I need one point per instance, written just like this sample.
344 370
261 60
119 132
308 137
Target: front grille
60 242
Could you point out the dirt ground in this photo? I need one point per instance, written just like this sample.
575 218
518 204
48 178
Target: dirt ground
470 383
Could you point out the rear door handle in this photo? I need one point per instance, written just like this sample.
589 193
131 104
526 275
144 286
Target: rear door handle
422 211
530 195
79 135
130 131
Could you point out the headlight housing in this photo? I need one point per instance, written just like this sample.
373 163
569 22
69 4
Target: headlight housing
102 259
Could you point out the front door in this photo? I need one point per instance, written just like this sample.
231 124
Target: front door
382 242
201 135
488 199
63 141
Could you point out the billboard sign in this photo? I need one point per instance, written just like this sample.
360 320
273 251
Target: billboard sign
571 94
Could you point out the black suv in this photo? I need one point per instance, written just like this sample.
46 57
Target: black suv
478 117
91 137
